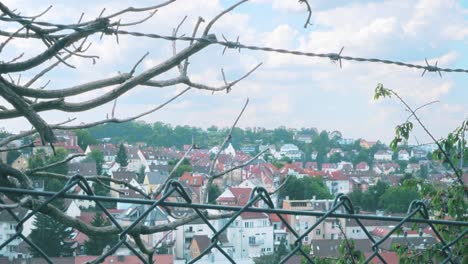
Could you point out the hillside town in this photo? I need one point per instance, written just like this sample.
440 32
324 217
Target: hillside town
252 234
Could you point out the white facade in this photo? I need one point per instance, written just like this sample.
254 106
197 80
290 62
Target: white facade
251 236
7 230
338 186
183 237
291 151
403 155
383 155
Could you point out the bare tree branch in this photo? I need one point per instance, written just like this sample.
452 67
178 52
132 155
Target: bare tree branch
213 21
55 164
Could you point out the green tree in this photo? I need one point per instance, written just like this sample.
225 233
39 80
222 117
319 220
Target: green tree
98 157
335 158
185 166
41 159
51 236
356 198
424 171
85 138
213 193
397 199
96 243
141 174
101 190
121 157
305 188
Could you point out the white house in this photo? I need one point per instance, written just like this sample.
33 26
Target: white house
291 151
335 151
338 185
7 230
183 236
383 155
403 155
251 234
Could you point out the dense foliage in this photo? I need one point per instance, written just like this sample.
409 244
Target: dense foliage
304 188
96 243
51 236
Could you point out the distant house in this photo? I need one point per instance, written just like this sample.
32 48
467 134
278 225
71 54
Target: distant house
234 196
418 153
366 144
249 149
8 229
305 138
127 176
335 151
329 167
403 155
412 167
82 168
346 141
154 179
337 183
134 160
312 165
313 155
291 151
108 150
386 168
383 155
362 166
65 139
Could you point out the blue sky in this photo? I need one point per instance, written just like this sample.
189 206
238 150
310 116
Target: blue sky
287 90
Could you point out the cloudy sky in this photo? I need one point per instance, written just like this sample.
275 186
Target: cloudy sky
287 90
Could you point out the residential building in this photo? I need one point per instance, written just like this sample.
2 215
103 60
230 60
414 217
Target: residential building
8 230
291 151
108 150
366 144
362 166
305 138
251 234
383 155
335 151
328 229
403 155
337 182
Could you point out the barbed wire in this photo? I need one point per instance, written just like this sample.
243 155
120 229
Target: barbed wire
335 57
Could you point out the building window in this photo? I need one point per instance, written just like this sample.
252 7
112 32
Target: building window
251 240
317 232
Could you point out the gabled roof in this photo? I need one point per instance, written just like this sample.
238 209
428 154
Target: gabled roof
5 216
83 168
124 175
239 196
253 215
157 177
202 241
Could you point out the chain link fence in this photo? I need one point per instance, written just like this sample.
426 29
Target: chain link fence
342 208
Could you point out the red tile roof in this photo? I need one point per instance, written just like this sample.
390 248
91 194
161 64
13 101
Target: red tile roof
390 257
253 215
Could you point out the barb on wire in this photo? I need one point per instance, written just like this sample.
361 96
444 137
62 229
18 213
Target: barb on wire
431 68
